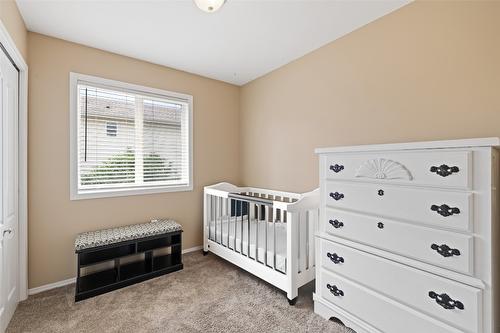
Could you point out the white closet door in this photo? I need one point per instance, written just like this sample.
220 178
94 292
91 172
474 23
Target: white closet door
9 236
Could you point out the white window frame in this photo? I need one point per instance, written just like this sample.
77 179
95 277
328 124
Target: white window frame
75 194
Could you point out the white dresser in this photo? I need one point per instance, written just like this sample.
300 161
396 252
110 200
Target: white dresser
408 237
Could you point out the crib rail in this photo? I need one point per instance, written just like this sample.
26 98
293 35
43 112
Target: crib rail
249 198
268 227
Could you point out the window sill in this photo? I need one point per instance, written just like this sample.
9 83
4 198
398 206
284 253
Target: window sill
110 193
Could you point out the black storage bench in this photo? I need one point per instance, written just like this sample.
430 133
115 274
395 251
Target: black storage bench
158 245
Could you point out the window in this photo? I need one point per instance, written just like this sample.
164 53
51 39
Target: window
111 128
128 139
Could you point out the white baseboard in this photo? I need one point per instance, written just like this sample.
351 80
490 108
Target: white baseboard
192 249
50 286
63 283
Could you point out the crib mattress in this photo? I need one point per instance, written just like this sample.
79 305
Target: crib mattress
234 240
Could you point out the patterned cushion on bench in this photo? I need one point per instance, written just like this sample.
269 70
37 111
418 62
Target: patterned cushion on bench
97 238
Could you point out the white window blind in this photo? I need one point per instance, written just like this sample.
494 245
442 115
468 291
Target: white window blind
131 140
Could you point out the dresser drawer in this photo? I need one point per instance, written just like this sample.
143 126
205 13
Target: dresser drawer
433 168
445 209
405 284
381 312
450 250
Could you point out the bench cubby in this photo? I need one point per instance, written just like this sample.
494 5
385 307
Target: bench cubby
98 256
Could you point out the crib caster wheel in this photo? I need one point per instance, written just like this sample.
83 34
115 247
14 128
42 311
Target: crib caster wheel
293 301
205 253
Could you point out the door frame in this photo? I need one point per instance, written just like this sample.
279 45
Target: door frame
12 50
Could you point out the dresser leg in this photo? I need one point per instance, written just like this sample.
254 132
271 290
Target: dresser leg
293 301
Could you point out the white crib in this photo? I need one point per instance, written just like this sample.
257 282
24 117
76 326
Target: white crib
268 233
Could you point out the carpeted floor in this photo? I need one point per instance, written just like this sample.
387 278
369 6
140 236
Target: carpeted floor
208 295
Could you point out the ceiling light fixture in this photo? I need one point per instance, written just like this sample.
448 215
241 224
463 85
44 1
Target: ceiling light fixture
209 6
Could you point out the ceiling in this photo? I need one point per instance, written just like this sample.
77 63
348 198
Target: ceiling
244 40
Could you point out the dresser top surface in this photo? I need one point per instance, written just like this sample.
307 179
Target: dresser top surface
477 142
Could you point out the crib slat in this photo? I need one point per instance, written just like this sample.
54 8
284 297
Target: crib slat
275 219
248 232
217 212
235 226
266 219
257 217
298 239
217 219
313 223
241 220
228 217
212 216
216 198
215 216
308 237
208 215
221 231
221 222
302 244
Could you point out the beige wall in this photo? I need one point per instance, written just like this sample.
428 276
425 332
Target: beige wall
54 220
13 22
428 71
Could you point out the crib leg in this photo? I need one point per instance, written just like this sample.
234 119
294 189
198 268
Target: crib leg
293 301
205 252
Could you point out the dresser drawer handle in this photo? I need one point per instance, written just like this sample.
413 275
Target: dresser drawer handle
336 223
337 196
443 170
445 210
336 259
336 168
334 290
445 250
446 301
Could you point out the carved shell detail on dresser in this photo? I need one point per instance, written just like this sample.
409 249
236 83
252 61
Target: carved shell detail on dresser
381 168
